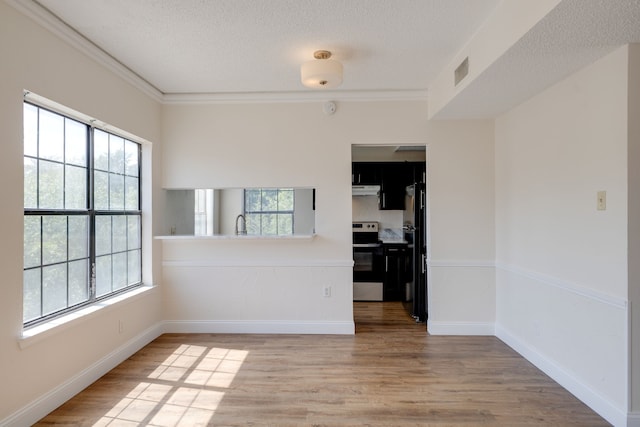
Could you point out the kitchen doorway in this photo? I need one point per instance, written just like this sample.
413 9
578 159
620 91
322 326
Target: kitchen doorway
390 228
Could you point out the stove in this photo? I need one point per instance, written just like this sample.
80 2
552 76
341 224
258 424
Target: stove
365 233
368 262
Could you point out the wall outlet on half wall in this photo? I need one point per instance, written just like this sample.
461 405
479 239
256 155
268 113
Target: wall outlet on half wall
326 291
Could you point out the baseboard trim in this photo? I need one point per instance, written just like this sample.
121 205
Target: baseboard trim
460 328
599 404
258 327
55 397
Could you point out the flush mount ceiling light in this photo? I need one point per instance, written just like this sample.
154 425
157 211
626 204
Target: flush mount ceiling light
321 72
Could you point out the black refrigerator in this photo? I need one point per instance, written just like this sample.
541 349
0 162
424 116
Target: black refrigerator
415 234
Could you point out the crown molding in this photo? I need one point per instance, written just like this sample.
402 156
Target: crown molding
49 21
297 96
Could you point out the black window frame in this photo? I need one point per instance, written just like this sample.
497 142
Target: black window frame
91 213
261 212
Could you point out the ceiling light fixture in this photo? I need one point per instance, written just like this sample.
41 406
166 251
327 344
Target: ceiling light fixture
321 72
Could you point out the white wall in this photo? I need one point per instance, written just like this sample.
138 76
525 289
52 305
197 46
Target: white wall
365 208
461 250
295 144
31 58
562 264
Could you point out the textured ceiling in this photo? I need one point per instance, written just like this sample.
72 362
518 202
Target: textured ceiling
238 46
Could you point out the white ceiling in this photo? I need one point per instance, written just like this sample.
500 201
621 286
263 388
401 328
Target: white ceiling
254 48
235 46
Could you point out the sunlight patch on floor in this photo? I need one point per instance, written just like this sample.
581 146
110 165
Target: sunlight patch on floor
185 389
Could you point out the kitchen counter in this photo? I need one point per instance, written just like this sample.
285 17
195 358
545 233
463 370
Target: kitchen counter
390 236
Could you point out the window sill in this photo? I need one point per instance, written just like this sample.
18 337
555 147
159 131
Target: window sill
45 330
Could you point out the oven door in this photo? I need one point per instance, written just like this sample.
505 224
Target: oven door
368 273
368 263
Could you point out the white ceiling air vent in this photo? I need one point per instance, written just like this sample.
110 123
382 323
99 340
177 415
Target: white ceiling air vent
462 71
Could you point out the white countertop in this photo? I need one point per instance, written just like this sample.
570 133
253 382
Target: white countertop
392 235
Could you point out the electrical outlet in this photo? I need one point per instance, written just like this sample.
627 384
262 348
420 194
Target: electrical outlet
120 326
327 291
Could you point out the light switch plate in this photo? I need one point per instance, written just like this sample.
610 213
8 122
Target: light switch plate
602 200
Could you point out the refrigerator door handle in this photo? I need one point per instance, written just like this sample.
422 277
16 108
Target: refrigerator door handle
424 263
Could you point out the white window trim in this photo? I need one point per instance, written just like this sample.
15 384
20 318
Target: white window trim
47 329
76 115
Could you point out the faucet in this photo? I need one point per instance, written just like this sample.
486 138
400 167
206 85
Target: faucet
242 230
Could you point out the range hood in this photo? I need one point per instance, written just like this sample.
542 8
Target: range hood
365 190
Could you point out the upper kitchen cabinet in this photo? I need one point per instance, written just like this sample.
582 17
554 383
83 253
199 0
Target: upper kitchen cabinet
364 173
392 177
395 177
419 172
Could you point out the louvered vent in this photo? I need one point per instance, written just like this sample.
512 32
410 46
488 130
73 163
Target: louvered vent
462 71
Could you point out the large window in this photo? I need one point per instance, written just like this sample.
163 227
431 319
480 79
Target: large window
269 211
82 218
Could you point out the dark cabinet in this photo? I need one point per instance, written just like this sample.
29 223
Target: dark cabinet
392 177
395 179
418 170
396 263
364 173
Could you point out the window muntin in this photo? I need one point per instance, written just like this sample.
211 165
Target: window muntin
269 211
82 217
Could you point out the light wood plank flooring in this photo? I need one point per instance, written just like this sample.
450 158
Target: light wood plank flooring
391 373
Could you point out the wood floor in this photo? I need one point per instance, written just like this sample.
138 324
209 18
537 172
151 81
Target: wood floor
391 373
